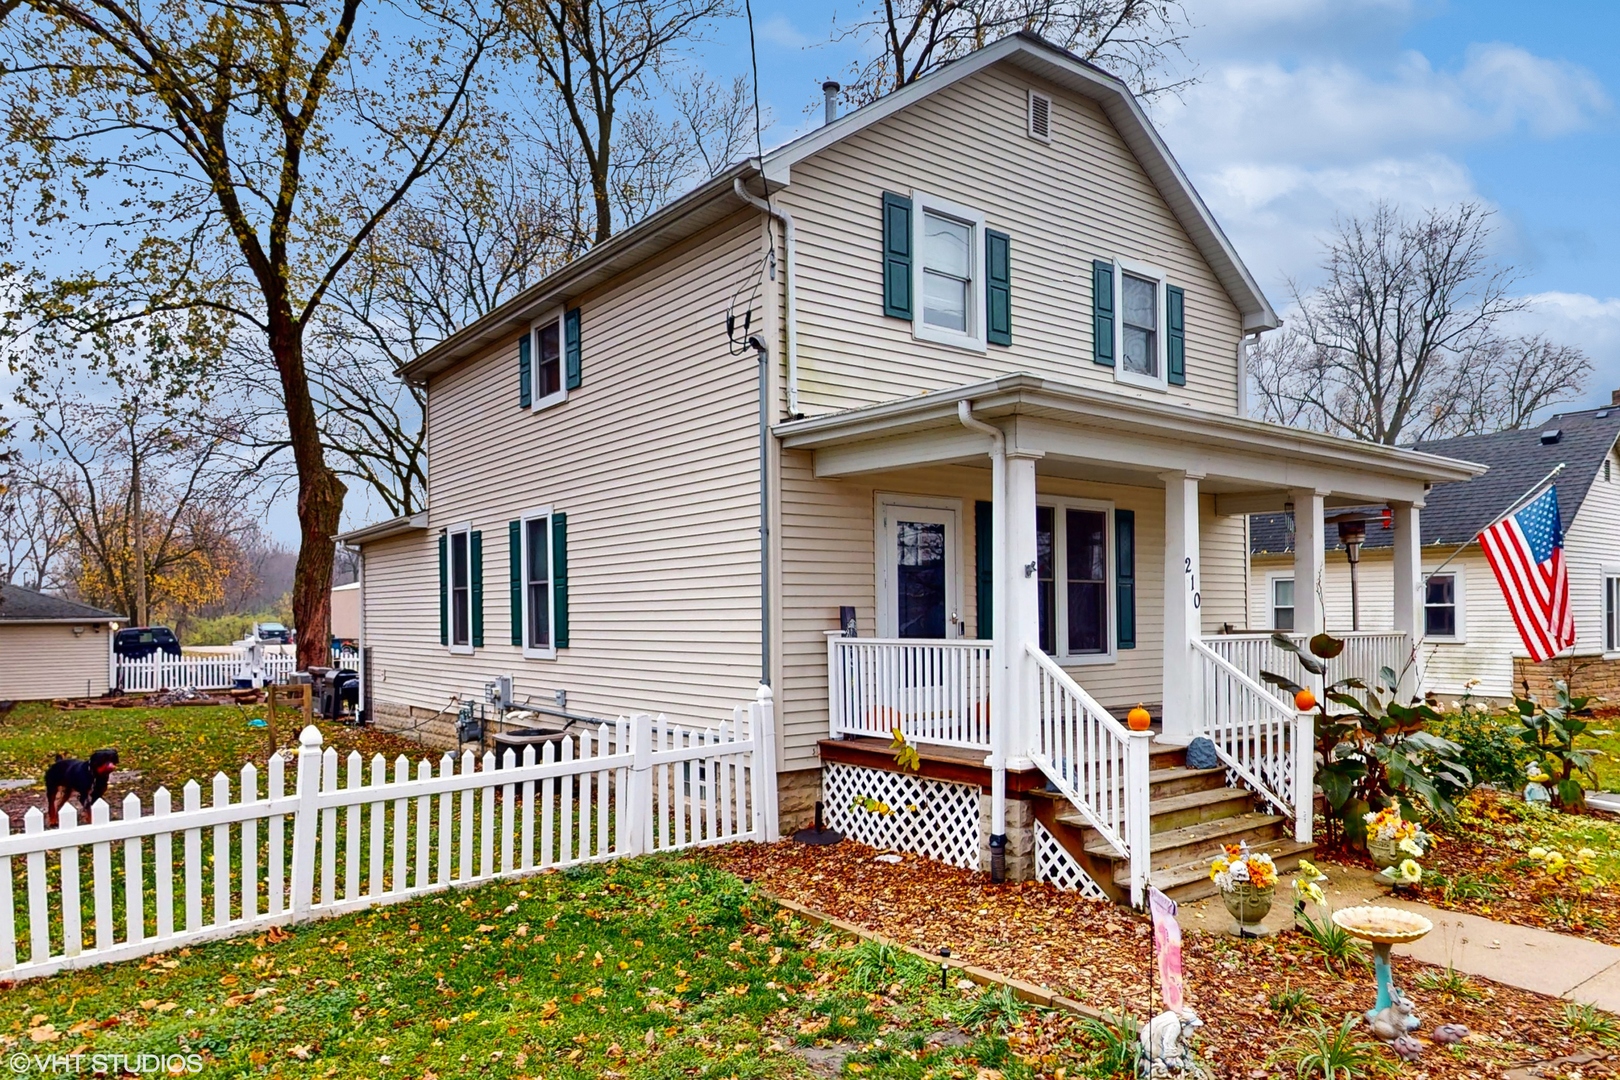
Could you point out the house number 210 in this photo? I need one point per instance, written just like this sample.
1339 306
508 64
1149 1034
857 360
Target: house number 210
1192 582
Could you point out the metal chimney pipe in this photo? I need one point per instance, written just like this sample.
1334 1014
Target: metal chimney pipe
829 91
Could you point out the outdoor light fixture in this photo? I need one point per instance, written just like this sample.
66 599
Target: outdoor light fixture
1352 533
944 967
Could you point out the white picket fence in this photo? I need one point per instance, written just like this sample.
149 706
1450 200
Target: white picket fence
207 671
635 785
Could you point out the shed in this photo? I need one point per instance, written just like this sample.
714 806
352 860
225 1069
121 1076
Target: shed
51 647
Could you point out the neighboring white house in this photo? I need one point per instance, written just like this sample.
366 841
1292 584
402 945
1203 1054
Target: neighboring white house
1468 635
51 647
967 363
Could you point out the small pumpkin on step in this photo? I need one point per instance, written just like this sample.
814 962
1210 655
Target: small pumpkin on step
1138 719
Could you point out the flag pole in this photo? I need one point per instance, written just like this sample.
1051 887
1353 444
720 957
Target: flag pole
1520 501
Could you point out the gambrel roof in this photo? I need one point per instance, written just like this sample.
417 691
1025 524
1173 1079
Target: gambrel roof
716 199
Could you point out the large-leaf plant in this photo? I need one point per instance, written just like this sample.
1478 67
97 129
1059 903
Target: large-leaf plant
1550 731
1378 752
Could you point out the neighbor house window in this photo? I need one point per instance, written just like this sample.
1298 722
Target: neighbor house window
461 588
1440 606
1073 571
548 361
950 245
537 563
1611 611
1282 603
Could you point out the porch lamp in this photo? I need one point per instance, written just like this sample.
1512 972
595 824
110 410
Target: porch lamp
1352 532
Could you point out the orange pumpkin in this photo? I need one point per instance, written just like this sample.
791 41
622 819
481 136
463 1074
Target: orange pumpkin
1138 719
1305 701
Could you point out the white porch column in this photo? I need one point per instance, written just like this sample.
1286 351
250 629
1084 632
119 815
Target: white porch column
1408 586
1181 601
1308 557
1020 606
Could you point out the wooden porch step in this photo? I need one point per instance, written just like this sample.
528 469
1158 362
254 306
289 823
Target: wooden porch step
1202 840
1179 780
1189 808
1166 755
1190 880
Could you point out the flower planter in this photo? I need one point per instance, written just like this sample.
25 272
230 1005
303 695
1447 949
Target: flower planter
1384 853
1247 904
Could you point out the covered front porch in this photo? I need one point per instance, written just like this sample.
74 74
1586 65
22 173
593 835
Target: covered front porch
1094 520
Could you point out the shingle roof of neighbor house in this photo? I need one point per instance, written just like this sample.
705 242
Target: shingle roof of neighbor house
1455 513
21 605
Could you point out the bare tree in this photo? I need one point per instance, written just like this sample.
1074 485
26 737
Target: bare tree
226 162
1404 340
1139 41
34 533
601 62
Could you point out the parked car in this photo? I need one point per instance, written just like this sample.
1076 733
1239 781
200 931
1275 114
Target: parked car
139 642
272 633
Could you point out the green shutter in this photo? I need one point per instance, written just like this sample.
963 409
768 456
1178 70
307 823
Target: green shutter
444 589
525 373
1125 578
896 256
1175 302
475 556
559 580
984 548
514 567
998 287
571 347
1102 313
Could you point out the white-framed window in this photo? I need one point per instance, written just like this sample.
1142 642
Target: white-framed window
1074 570
546 368
1445 605
1280 595
948 272
1611 609
458 583
1140 325
537 563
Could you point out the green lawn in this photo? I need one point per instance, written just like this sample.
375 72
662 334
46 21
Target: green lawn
653 967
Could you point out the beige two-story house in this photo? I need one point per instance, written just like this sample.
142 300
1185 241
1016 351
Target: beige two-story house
931 421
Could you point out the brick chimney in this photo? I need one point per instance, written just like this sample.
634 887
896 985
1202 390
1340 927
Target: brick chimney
1614 397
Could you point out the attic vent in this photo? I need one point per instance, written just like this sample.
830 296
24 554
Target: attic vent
1602 414
1550 436
1040 117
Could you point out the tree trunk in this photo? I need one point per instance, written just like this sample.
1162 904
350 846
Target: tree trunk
320 498
138 525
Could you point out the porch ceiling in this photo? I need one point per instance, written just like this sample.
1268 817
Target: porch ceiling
1247 464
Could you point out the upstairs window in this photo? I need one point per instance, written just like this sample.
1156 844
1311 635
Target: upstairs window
1139 319
949 273
547 335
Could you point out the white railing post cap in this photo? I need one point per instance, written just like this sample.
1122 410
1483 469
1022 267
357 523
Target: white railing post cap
764 693
310 736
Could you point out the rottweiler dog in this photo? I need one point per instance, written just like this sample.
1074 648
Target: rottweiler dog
69 776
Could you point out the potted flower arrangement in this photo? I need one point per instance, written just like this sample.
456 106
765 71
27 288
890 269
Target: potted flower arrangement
1391 839
1247 881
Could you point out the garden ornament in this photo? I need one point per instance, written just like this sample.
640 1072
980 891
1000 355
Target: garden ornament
1201 754
1165 1051
1391 1015
1446 1034
1390 1022
1407 1048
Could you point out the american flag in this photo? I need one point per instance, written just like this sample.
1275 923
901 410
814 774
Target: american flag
1526 552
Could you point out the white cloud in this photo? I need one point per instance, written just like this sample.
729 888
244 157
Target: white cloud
1591 322
779 30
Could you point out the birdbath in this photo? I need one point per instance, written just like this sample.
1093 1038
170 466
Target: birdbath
1385 927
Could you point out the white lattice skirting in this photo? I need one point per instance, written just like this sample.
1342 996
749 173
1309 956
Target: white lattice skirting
1054 864
932 818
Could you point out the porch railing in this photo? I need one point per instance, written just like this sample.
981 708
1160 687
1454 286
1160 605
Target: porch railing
935 692
1365 652
1095 762
1265 743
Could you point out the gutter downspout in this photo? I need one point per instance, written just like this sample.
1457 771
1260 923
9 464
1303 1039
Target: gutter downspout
792 326
1000 673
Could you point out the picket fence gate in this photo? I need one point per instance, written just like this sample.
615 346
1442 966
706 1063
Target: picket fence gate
635 785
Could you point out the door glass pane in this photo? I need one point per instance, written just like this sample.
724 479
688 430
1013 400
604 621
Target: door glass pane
538 582
920 573
1087 569
1045 519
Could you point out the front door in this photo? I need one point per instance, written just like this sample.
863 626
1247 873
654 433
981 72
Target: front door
918 594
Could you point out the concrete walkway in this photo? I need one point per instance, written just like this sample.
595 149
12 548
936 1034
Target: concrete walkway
1528 957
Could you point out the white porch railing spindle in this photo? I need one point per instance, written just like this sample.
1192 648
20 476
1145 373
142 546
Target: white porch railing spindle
934 691
1265 742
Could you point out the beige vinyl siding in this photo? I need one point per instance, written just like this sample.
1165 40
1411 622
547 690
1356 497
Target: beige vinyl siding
45 660
828 561
655 462
1081 197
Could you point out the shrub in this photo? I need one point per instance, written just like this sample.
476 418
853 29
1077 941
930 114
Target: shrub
1549 732
1488 743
